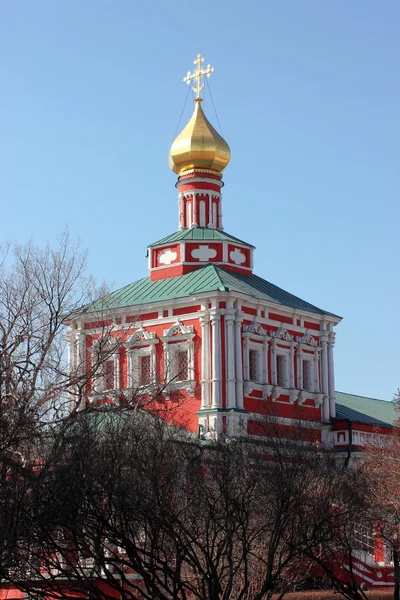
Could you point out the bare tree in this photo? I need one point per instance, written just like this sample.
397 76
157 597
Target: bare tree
382 471
126 500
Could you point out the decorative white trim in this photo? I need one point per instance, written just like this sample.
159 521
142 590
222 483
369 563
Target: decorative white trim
238 356
282 334
230 355
205 358
204 253
140 335
178 337
254 328
216 358
306 338
178 328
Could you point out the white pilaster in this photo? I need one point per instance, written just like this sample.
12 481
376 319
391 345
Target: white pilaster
116 371
265 362
195 200
331 376
216 358
129 366
246 358
291 366
324 373
205 360
316 374
299 369
274 375
238 358
220 226
180 210
230 356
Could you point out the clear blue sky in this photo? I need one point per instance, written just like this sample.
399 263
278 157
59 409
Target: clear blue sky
307 93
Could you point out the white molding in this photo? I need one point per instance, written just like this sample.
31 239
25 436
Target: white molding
178 329
216 358
205 359
230 356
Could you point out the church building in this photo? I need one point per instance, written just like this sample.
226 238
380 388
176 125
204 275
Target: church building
211 337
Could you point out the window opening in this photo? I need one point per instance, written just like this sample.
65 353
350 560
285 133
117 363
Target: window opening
253 371
108 375
202 205
364 538
280 370
144 370
181 365
307 375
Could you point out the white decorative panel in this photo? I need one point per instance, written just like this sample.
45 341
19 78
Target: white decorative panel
204 253
237 256
167 257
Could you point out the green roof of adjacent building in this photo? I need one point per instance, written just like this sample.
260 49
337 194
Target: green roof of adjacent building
368 411
205 279
199 234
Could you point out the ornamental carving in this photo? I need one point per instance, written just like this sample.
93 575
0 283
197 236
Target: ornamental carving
307 338
141 335
254 328
282 334
178 328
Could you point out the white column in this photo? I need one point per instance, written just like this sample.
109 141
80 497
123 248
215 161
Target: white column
180 210
116 371
299 369
81 350
195 221
220 226
316 374
324 373
264 373
331 368
205 360
239 359
291 366
216 359
246 358
129 366
230 357
274 378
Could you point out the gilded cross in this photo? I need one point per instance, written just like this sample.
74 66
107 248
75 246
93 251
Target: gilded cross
197 75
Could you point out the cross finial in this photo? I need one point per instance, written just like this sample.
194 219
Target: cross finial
197 75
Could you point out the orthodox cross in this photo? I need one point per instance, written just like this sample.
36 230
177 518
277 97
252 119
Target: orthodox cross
197 75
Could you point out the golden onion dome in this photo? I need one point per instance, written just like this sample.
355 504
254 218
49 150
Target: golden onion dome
199 146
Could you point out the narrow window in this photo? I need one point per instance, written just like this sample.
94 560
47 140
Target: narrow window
253 360
202 206
306 375
214 210
144 370
108 382
281 370
181 365
189 214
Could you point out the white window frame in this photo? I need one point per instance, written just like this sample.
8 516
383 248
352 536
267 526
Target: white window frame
99 379
285 354
141 343
258 349
309 360
255 339
177 338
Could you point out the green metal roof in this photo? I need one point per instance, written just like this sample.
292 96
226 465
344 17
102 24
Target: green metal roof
197 234
368 411
205 279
